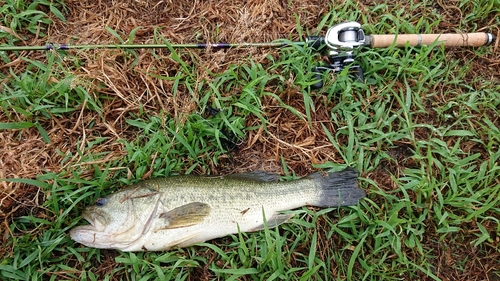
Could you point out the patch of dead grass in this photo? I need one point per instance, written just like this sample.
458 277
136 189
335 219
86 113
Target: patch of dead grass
25 155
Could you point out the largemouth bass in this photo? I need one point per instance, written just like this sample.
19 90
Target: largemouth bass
161 213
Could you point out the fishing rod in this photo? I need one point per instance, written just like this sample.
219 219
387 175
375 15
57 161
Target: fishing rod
340 42
344 36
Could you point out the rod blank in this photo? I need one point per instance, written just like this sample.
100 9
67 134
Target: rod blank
54 46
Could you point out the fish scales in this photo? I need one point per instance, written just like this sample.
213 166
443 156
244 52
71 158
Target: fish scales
162 213
221 189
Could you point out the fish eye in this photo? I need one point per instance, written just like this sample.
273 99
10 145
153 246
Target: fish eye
101 202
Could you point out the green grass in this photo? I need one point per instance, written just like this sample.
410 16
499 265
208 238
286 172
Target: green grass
31 16
420 120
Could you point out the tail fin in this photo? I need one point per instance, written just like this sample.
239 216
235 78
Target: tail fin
338 188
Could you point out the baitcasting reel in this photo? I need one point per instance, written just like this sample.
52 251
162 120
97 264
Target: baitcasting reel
341 40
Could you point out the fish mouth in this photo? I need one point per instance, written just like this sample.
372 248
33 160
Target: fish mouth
97 234
104 232
90 234
97 221
93 234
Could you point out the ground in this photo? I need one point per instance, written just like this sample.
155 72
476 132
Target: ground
115 95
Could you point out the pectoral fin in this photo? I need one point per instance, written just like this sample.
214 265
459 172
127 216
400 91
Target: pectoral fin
186 215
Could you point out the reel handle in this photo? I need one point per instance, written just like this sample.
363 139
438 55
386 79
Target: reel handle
354 70
477 39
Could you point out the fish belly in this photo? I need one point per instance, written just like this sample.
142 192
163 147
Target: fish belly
221 222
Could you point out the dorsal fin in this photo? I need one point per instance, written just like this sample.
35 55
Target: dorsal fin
257 176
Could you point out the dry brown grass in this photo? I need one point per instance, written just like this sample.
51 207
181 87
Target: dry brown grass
109 73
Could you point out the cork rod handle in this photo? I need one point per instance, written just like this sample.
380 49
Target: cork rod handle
447 39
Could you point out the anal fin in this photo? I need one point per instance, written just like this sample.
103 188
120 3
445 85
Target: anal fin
186 241
274 221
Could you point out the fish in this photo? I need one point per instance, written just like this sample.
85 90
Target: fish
178 211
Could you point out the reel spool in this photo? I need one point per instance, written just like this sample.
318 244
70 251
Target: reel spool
341 40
